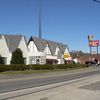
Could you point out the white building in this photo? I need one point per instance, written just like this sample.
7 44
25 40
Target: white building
37 51
46 52
9 43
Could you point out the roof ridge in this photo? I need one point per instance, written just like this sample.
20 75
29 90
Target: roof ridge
49 40
12 41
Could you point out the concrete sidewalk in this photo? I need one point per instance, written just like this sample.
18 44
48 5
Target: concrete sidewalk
86 89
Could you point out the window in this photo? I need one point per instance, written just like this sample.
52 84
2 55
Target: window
37 59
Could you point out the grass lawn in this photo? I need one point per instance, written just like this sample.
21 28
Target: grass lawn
35 71
24 72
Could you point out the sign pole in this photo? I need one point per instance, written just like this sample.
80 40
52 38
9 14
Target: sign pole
90 39
90 53
97 50
97 53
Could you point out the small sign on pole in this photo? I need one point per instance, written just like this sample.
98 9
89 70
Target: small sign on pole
90 37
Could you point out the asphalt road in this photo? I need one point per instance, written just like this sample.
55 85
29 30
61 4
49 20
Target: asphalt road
30 83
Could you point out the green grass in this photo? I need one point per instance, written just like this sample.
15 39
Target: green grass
35 71
23 72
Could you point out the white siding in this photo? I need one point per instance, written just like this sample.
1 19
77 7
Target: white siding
47 50
32 47
9 58
24 49
35 48
60 61
3 47
66 51
34 54
4 51
57 50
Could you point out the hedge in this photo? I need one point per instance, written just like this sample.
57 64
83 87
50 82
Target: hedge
39 67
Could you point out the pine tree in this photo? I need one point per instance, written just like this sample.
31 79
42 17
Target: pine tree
17 57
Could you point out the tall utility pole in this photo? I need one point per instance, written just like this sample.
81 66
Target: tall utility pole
40 10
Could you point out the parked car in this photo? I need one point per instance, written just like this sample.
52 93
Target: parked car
91 62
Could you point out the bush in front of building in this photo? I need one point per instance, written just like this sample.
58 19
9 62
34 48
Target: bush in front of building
70 66
42 67
4 68
17 57
22 67
14 67
1 60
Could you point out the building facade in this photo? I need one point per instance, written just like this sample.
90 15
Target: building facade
36 51
47 52
9 43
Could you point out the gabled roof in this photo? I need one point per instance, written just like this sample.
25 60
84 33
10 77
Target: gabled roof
12 41
53 46
40 43
62 47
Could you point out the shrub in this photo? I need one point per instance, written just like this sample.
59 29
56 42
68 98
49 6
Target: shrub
70 66
4 68
42 67
17 57
15 67
18 67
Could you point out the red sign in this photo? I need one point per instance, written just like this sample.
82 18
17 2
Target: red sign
94 43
